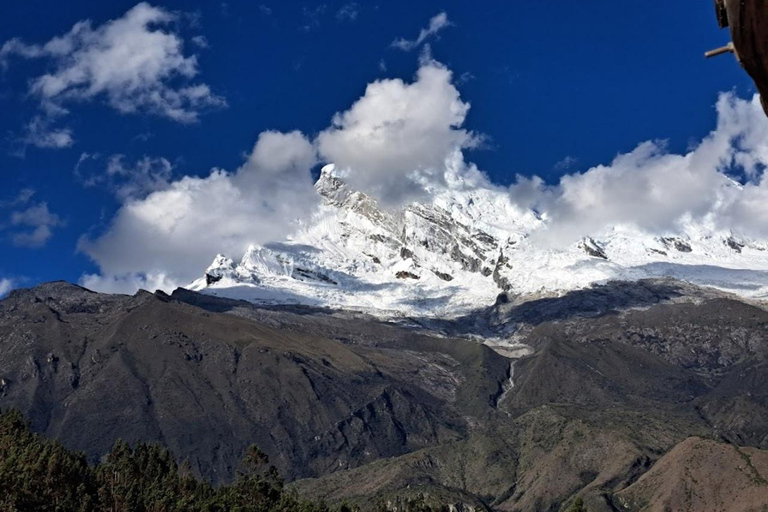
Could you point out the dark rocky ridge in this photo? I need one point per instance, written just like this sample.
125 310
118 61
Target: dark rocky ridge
355 407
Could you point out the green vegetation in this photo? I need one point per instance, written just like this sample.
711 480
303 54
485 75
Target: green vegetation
41 475
754 474
577 506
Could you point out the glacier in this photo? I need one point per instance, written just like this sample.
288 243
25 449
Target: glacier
463 248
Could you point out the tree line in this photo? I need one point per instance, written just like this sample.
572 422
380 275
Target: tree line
39 474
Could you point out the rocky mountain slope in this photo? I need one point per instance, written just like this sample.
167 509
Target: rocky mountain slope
90 368
700 474
459 249
519 406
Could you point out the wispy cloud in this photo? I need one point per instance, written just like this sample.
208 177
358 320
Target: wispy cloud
348 12
6 285
201 42
22 198
312 17
42 132
465 77
566 163
28 224
436 24
127 180
41 223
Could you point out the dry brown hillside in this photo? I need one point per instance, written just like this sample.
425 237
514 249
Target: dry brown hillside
703 476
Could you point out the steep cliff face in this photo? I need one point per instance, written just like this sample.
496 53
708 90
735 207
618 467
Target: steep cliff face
459 249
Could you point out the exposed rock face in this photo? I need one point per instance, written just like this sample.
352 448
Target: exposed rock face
443 276
734 244
677 243
593 248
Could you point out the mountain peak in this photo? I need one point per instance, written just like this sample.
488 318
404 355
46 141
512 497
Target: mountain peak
331 186
458 250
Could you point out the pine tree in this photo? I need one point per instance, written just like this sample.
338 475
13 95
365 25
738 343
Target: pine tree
578 505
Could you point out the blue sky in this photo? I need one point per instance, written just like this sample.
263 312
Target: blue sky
554 87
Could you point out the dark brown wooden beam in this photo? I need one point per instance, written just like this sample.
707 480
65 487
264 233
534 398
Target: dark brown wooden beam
748 21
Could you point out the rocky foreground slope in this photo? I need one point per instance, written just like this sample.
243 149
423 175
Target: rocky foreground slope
625 394
459 249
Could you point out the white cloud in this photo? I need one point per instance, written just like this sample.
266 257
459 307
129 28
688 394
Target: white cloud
465 78
657 191
22 198
41 223
171 235
201 42
391 140
39 133
436 24
135 63
398 133
16 46
566 163
129 284
6 285
401 139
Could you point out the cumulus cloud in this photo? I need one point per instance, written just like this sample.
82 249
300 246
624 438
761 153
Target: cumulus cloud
39 222
168 237
399 133
657 191
394 142
399 141
134 63
436 24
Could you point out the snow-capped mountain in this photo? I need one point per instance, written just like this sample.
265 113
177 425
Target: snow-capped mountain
463 248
